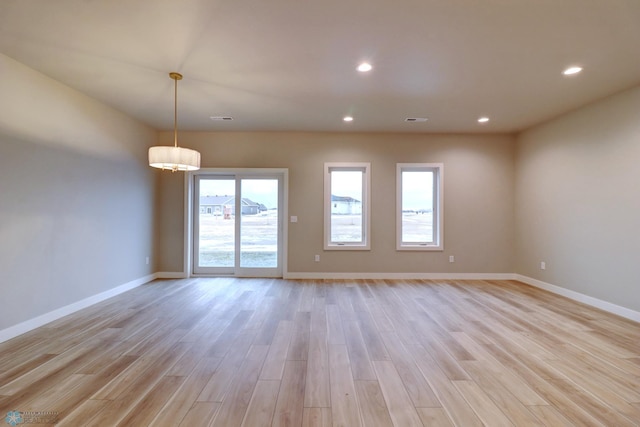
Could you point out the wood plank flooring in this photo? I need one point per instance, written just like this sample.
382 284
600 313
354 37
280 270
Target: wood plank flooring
271 352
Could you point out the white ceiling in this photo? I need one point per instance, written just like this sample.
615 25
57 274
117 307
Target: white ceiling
290 65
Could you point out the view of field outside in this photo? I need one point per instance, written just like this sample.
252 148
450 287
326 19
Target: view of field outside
417 206
258 225
259 233
417 227
346 228
346 210
259 240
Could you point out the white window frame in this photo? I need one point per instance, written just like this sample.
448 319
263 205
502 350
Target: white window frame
438 178
365 244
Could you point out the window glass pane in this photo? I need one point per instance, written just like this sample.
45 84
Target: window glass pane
346 206
216 223
417 206
259 223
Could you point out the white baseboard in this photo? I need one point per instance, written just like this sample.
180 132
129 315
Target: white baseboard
401 276
171 275
36 322
585 299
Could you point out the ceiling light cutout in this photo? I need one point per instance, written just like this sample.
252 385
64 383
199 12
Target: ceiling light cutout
572 71
416 119
347 118
483 120
364 67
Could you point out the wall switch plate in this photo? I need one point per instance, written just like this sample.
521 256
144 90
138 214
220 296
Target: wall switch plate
543 265
317 258
452 258
294 219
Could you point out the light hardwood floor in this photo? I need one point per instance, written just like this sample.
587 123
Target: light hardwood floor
264 352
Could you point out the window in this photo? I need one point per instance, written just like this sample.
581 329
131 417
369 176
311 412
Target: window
419 206
346 206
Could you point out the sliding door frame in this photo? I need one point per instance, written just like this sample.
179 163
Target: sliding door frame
239 173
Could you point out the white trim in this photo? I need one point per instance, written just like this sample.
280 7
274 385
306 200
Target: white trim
36 322
585 299
171 275
284 258
401 276
187 268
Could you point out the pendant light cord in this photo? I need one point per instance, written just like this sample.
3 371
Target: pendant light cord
175 113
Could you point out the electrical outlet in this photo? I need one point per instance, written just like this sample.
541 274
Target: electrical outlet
452 258
147 260
543 265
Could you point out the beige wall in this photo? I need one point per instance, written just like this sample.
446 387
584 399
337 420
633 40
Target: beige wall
478 191
578 203
76 196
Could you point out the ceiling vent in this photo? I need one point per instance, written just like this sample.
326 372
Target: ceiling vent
221 118
415 119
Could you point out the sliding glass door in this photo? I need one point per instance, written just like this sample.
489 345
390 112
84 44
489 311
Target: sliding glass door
238 224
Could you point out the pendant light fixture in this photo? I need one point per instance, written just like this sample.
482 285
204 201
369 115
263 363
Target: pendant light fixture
174 158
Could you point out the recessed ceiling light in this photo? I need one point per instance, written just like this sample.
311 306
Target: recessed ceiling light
348 119
221 118
571 71
483 119
364 67
415 119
